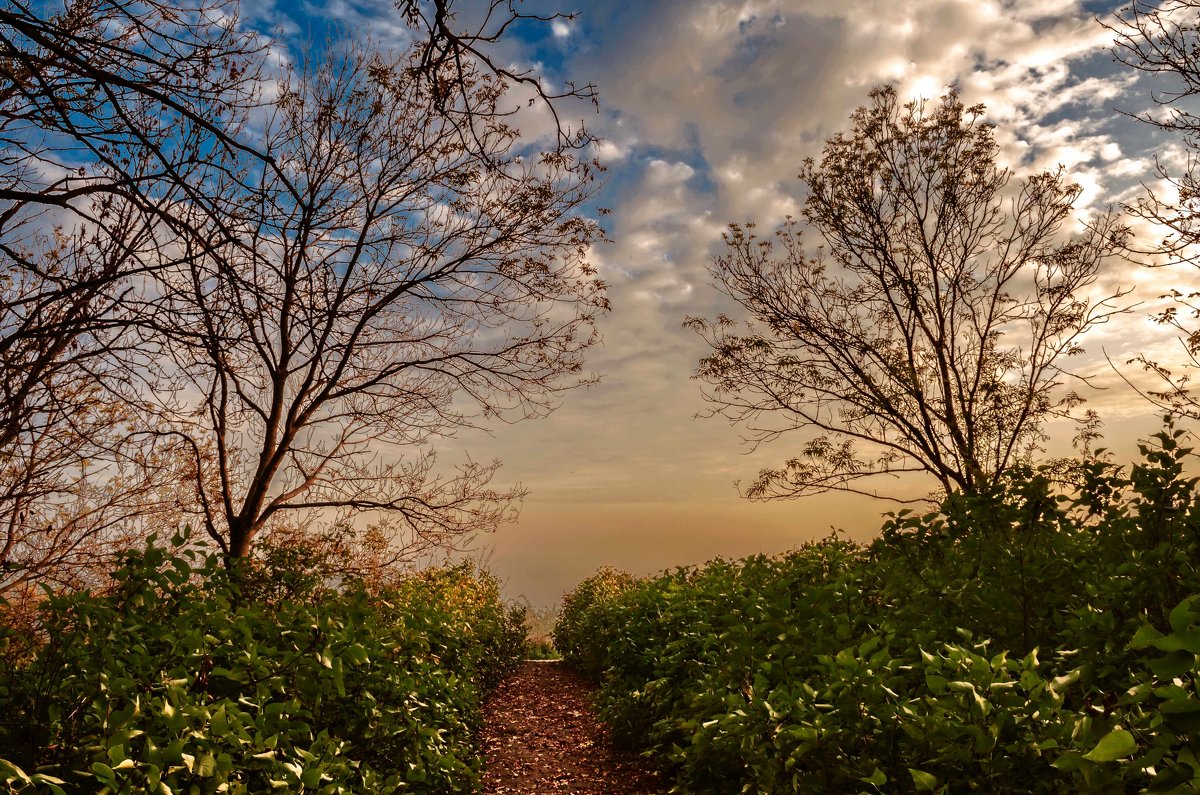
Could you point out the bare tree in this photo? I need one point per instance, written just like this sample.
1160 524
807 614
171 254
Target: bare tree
449 53
124 158
928 330
77 490
419 284
1163 40
80 466
113 113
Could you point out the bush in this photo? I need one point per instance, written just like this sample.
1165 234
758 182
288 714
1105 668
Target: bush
488 638
1038 637
585 612
541 649
176 681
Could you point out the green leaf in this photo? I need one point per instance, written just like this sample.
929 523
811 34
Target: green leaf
1117 744
1179 705
1068 761
1188 641
116 754
338 680
49 782
1174 664
1145 635
1138 692
924 782
1183 616
104 773
1061 683
878 778
357 654
1171 777
11 771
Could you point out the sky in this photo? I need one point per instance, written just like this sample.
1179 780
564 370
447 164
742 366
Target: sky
707 109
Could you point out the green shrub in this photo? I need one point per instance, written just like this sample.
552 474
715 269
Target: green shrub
1037 637
485 638
1004 563
585 612
177 682
541 649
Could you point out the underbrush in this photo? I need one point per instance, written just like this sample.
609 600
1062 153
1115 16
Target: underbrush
1040 637
541 649
540 642
185 678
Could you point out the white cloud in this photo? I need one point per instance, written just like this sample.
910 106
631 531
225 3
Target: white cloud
743 91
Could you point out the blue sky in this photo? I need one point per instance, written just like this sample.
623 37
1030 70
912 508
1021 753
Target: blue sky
708 108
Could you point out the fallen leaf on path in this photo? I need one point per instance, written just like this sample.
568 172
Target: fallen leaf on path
540 736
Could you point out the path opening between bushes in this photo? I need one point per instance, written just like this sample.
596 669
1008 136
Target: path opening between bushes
541 736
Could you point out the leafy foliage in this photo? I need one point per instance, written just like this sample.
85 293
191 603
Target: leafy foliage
175 681
584 612
1038 636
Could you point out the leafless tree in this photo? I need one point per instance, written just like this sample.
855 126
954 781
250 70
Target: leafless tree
449 52
125 163
71 500
418 284
129 98
80 466
1163 40
928 330
112 114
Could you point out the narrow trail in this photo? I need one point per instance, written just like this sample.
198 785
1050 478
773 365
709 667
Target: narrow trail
541 736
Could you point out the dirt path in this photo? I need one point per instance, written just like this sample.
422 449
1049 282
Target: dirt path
540 736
